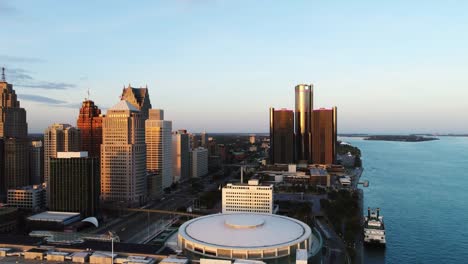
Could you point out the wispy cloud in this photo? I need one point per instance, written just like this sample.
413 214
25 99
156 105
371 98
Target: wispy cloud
7 9
48 100
21 78
48 85
17 59
40 99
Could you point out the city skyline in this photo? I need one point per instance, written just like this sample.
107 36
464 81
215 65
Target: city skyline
374 61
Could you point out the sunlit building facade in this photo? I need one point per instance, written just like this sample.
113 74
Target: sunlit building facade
158 152
123 155
59 138
180 155
90 124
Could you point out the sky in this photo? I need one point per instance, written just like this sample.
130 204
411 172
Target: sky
389 66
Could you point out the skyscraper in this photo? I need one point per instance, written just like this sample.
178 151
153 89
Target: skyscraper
139 98
158 152
123 155
303 123
36 162
74 183
324 136
204 139
281 136
59 138
14 161
180 155
90 124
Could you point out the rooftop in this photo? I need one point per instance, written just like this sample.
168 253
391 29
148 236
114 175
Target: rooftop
245 230
53 216
124 105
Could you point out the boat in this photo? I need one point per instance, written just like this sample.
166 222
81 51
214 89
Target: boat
374 228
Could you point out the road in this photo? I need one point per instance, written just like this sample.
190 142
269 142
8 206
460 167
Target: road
135 227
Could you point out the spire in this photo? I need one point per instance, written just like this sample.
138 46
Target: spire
88 95
3 74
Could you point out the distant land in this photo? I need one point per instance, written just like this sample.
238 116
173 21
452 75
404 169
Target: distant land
408 138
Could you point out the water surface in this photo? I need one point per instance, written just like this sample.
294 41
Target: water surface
422 189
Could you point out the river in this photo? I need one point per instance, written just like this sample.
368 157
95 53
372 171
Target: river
422 190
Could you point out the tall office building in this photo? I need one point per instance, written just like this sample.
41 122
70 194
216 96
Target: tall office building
204 139
324 136
36 162
123 155
74 183
180 155
90 124
59 138
139 98
303 122
281 136
14 143
158 134
198 162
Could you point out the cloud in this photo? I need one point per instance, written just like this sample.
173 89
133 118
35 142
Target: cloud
48 85
40 99
21 78
7 9
16 59
48 100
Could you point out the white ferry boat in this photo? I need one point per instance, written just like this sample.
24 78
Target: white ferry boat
374 228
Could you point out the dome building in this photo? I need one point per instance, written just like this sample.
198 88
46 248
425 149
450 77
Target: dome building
252 236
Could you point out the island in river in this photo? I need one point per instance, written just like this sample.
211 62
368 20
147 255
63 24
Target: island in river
408 138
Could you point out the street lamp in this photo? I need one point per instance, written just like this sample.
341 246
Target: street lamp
111 235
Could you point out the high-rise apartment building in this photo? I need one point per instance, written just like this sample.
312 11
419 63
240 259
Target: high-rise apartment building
90 124
158 134
180 155
198 162
74 183
123 155
139 98
247 198
324 136
303 122
36 162
14 167
281 136
59 138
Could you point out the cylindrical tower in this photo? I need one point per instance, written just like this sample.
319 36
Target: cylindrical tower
303 122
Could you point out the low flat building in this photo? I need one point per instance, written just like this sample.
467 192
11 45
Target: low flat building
80 257
174 260
51 220
29 197
57 256
102 257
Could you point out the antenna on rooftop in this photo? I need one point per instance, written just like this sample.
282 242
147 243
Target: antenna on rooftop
3 74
